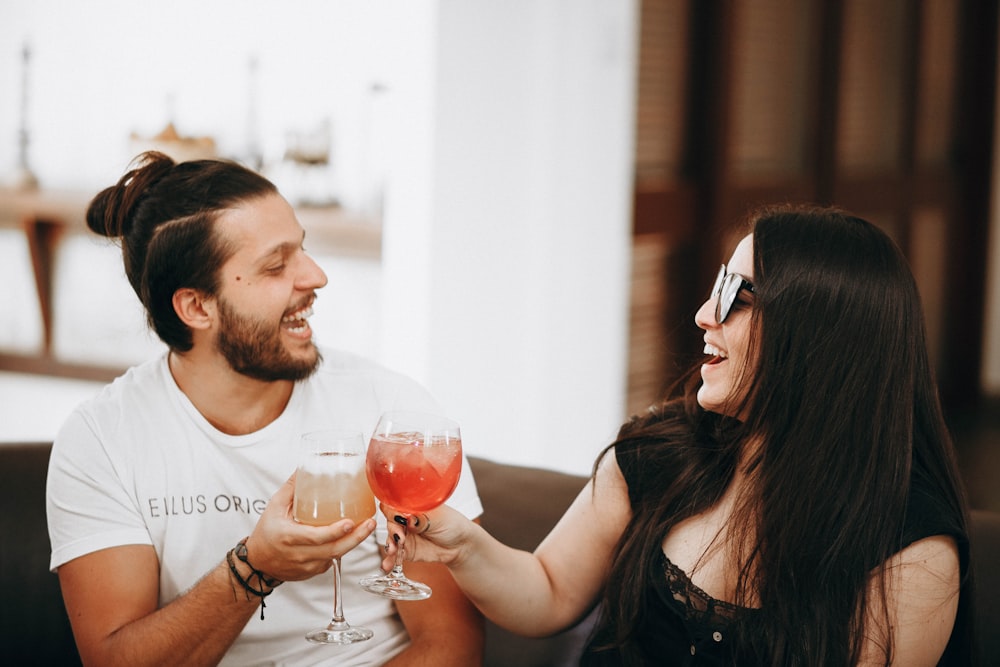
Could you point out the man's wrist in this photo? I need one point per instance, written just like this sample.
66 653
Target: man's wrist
240 551
251 580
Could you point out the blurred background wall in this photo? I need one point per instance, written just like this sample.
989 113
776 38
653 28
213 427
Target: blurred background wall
543 189
487 146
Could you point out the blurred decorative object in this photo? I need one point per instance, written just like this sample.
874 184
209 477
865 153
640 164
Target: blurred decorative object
309 148
254 157
305 173
23 178
171 143
375 151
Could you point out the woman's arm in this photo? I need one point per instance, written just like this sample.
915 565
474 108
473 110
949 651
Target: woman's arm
922 595
533 594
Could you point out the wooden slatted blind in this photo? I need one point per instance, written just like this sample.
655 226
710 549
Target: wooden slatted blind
871 87
773 56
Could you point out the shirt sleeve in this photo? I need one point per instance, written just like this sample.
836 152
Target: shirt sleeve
928 514
87 503
626 454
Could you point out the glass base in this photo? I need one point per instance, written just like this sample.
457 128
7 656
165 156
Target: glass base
395 587
345 634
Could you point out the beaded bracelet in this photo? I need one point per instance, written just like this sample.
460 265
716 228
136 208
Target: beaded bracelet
241 552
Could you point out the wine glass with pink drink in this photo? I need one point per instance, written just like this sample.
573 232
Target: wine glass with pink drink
413 464
330 485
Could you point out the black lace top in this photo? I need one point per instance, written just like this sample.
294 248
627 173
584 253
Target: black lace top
708 623
684 625
696 605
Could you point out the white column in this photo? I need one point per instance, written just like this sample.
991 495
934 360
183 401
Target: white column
508 218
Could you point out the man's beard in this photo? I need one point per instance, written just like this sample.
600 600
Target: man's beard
254 348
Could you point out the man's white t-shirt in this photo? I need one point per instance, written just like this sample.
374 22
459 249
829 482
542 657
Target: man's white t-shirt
138 464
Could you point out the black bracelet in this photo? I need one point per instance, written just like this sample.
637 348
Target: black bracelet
241 552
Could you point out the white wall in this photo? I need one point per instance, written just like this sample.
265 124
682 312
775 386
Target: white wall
506 135
102 69
507 268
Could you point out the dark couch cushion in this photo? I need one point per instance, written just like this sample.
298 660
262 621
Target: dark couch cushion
522 504
520 507
33 621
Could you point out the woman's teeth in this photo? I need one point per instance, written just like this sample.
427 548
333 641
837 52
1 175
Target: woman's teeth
715 352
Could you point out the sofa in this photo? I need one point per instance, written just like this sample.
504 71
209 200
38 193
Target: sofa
521 504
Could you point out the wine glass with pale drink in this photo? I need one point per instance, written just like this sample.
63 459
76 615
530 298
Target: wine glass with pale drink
330 485
413 464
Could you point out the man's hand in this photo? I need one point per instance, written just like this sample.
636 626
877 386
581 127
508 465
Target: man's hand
285 549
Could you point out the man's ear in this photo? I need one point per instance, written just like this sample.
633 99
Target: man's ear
194 308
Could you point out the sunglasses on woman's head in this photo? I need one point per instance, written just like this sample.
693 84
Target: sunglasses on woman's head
727 288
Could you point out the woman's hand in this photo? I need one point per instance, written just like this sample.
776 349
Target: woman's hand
440 536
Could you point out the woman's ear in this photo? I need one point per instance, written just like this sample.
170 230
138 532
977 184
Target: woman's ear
194 308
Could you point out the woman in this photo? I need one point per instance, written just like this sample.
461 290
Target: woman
796 502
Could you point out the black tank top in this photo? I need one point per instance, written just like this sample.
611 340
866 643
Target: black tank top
683 625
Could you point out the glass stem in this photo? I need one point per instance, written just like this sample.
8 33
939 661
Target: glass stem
397 568
338 605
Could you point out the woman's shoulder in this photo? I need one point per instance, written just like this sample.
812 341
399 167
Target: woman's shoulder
924 589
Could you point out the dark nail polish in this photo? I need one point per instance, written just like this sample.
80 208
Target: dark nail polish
395 538
400 519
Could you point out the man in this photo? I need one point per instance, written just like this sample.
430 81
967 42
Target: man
153 484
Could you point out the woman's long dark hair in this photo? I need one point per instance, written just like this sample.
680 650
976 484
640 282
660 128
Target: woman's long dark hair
843 402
